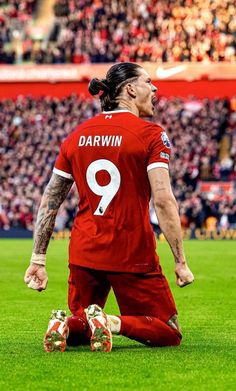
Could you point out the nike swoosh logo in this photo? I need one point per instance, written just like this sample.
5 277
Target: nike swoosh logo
162 73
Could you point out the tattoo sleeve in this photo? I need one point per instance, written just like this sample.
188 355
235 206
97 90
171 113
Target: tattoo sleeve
176 249
54 195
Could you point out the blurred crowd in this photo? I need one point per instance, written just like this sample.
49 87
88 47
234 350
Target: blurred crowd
196 129
101 31
14 15
31 132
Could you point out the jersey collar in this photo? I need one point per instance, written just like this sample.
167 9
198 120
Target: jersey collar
116 111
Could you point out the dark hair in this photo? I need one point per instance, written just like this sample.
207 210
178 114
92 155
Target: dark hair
110 88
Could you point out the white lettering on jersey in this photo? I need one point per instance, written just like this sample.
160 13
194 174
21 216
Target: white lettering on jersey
81 141
118 141
164 155
106 140
100 141
89 141
96 141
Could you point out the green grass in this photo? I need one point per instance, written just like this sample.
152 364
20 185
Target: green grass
204 361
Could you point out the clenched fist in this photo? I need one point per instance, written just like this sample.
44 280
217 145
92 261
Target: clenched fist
36 277
184 276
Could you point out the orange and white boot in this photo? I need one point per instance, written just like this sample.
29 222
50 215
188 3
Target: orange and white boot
57 332
101 339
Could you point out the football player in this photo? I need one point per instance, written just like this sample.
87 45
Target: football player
117 160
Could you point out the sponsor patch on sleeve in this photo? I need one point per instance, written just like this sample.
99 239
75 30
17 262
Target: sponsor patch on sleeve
165 139
164 155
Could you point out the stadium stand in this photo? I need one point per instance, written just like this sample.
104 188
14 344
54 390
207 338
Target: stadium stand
118 30
14 18
31 131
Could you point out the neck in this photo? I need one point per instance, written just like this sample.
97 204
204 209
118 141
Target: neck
123 105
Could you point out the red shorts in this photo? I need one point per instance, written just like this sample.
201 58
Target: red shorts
136 294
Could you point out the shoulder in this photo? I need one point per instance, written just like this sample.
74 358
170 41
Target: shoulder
149 127
153 132
156 131
152 126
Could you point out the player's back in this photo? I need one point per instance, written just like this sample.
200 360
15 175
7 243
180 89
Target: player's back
108 157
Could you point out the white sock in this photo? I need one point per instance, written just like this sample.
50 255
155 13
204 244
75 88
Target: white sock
114 323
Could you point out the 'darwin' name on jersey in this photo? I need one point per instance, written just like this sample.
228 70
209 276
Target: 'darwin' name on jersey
100 141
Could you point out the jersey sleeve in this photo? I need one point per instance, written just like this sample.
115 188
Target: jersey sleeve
159 149
62 165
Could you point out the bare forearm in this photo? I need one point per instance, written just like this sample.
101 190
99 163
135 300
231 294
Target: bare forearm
44 227
55 193
169 222
167 213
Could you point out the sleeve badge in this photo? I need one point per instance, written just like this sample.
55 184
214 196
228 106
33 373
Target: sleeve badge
165 140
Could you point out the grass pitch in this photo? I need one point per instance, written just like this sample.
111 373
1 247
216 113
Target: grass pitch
204 361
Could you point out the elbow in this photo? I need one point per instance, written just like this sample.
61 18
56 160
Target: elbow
165 203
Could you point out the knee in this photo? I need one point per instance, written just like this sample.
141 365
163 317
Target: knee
172 339
177 340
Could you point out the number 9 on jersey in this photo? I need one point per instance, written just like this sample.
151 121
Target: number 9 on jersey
108 191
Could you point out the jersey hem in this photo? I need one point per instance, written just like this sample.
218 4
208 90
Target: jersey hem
147 269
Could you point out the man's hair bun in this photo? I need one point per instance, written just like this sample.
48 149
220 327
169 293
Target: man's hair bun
96 85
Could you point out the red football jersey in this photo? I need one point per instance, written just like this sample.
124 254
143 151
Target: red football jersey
108 157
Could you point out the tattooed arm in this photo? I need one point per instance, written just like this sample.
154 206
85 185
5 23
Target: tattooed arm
54 194
168 217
